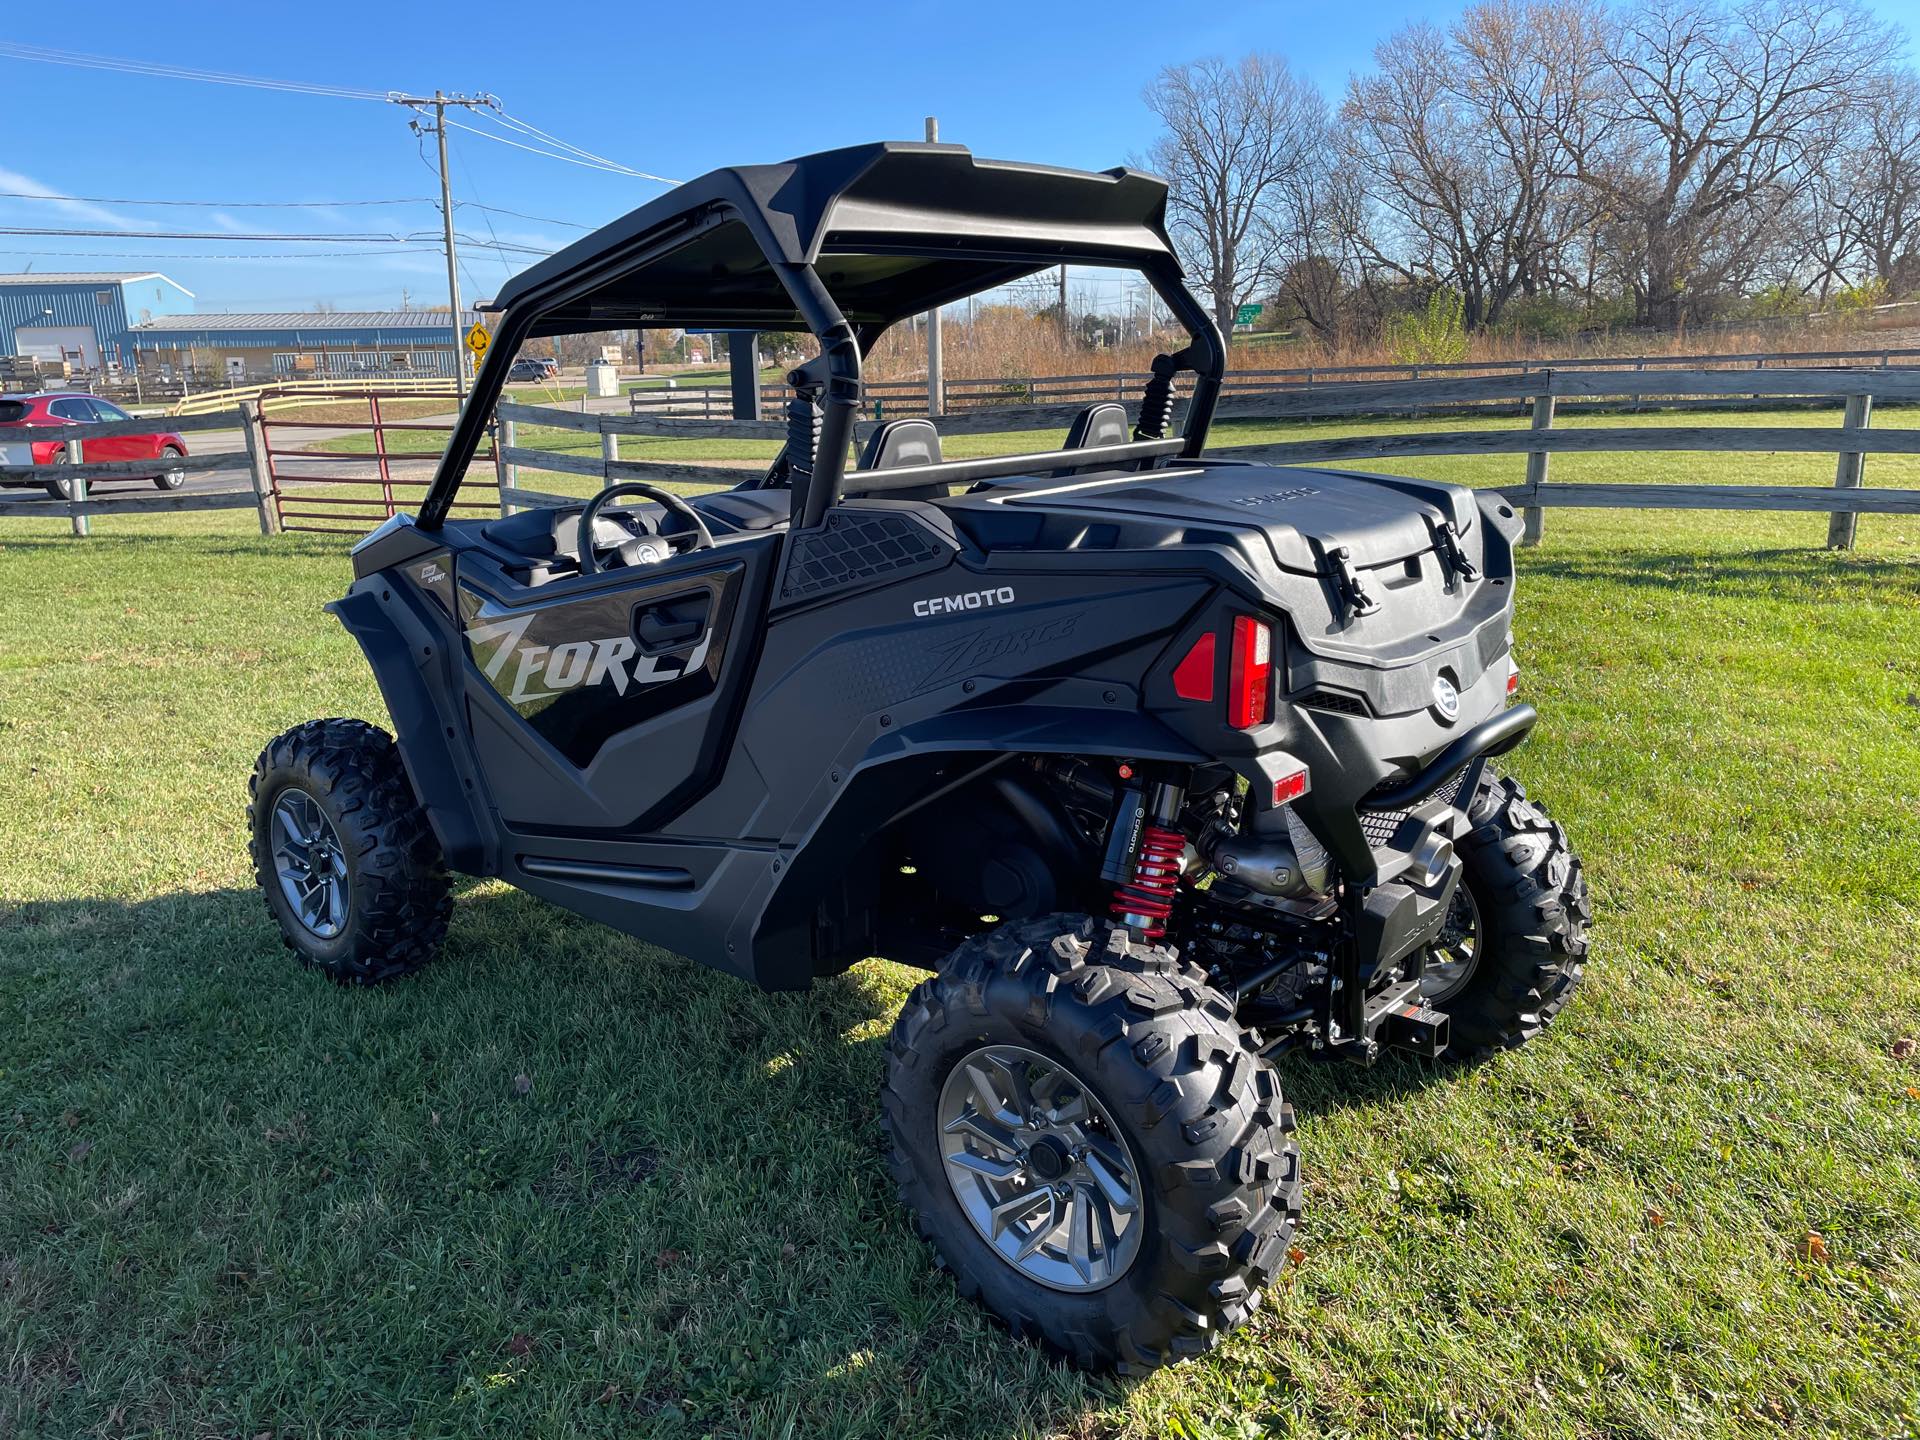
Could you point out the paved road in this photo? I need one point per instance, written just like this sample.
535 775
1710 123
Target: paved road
228 442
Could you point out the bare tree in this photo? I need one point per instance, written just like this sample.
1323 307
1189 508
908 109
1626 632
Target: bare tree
1875 183
1237 139
1463 137
1703 140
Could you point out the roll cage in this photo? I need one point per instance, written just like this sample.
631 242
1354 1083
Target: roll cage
845 244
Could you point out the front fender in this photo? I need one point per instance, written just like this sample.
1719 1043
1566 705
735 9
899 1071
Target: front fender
414 658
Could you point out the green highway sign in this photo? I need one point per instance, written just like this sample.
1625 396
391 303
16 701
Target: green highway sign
1247 314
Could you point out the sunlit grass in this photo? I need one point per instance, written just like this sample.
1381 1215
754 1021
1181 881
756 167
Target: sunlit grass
235 1200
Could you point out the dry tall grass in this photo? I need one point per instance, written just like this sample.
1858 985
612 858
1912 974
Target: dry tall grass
1017 344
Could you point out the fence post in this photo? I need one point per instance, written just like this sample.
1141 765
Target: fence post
502 472
1848 473
77 503
609 452
258 471
1536 517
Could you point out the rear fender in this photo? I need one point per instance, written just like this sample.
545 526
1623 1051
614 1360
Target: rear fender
414 657
886 776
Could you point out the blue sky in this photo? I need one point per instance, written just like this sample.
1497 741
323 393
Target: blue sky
671 89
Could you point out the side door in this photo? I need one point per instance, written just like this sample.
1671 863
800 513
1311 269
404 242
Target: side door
119 447
606 703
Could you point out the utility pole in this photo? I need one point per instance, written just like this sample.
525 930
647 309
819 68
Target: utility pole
936 368
1065 339
439 100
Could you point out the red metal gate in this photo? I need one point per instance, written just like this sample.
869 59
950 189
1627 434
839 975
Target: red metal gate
338 474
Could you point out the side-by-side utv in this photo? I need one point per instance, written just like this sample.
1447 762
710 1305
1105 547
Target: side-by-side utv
1166 766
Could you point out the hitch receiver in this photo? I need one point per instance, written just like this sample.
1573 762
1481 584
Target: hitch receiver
1410 1025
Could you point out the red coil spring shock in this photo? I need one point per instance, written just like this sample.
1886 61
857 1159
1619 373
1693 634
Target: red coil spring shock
1148 896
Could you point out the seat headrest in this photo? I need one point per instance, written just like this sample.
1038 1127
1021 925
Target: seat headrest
902 442
1104 423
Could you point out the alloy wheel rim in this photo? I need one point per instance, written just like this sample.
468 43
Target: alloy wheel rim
310 863
1456 953
1039 1167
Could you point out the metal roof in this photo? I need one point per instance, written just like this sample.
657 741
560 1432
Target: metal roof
303 320
80 277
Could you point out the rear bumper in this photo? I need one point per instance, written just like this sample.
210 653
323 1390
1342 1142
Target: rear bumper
1493 736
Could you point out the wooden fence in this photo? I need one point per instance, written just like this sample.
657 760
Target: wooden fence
1538 390
250 459
890 398
290 394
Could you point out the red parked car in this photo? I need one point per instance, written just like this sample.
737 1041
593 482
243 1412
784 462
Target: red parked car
78 410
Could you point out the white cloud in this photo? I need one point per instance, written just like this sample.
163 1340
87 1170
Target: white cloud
99 215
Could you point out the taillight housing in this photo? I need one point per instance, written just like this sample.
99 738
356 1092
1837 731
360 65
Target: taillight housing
1513 677
1249 673
1193 676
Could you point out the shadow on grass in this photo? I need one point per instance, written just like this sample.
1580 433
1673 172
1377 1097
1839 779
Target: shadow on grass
557 1172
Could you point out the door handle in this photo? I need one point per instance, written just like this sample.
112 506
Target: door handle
659 627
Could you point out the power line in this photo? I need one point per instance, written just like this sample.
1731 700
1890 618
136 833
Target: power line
519 214
563 149
529 128
335 238
237 255
218 204
509 246
342 238
45 55
551 154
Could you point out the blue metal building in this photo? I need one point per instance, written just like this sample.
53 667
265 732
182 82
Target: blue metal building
304 344
86 318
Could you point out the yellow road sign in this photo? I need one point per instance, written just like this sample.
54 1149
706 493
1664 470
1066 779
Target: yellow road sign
477 340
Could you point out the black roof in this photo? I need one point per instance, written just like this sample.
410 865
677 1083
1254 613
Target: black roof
892 228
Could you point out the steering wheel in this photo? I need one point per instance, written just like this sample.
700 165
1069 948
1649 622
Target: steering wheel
701 538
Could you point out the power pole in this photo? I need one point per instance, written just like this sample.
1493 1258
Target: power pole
1065 339
936 370
439 100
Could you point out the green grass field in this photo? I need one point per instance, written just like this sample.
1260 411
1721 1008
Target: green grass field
566 1184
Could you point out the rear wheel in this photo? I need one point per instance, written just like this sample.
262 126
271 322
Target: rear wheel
173 477
1089 1142
345 859
60 487
1510 956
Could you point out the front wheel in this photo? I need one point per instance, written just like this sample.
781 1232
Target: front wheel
1089 1142
345 858
1510 956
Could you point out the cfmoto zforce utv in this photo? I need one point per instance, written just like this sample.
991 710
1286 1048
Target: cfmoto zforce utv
1164 765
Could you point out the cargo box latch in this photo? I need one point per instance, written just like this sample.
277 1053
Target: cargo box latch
1346 580
1446 540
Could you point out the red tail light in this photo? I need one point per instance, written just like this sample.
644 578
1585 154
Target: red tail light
1513 676
1193 676
1249 673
